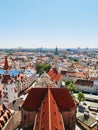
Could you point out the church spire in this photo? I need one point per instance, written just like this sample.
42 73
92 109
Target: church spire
56 51
6 72
6 63
56 58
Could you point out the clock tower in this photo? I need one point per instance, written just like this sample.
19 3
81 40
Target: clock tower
8 92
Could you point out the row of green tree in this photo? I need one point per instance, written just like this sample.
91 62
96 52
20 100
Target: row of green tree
72 88
40 67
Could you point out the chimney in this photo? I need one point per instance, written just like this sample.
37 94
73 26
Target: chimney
86 115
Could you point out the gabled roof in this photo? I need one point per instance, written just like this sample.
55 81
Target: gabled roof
49 117
5 79
84 82
61 95
74 74
54 75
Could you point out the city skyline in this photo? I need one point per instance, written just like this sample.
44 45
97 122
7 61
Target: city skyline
48 23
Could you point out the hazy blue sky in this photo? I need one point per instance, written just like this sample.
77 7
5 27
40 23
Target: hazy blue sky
48 23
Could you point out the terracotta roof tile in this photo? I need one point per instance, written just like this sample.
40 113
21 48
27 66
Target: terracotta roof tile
4 114
5 79
54 75
63 98
74 74
84 82
48 116
37 94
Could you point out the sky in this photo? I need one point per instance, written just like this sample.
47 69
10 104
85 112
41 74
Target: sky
48 23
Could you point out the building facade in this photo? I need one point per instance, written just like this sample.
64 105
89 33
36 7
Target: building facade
89 86
8 87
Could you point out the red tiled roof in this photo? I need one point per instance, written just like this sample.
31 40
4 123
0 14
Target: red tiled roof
63 98
5 79
54 75
34 99
4 115
61 95
49 117
84 82
74 74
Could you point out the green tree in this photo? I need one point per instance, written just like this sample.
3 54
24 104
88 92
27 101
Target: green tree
42 67
81 96
76 60
72 88
47 67
39 66
41 71
67 82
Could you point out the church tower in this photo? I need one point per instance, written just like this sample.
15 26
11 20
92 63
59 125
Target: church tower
56 58
8 91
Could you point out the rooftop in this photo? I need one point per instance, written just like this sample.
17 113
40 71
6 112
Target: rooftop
54 75
89 122
37 94
84 82
49 115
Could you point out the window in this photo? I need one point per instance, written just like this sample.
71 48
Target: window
24 116
4 86
6 72
5 95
